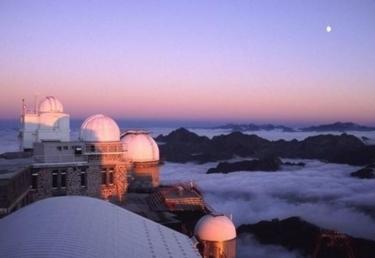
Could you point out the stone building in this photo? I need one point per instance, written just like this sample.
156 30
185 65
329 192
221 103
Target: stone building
93 166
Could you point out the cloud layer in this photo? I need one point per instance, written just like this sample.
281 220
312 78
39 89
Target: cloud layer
323 194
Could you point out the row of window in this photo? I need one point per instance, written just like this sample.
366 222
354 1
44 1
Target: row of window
59 178
104 148
77 149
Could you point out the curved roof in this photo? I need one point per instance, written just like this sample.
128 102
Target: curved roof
50 105
99 128
76 226
140 146
215 228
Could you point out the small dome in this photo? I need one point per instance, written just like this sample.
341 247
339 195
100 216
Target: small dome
140 146
50 105
215 228
99 128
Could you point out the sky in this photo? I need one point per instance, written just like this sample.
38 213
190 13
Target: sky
231 61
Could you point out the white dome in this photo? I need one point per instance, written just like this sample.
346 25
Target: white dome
50 105
140 146
99 128
215 228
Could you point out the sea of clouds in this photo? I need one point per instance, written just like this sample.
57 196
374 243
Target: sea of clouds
321 193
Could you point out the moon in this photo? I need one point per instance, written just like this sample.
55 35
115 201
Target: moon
328 28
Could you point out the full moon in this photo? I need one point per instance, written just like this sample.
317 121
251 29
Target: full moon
328 28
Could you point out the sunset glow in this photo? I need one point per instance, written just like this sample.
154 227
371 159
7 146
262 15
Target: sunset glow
261 61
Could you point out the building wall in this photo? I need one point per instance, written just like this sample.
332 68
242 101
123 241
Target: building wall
144 177
101 164
14 191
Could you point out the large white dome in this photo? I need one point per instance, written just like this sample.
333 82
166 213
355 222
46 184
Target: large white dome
99 128
50 105
215 228
140 146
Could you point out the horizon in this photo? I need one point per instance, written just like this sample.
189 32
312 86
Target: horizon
259 62
149 123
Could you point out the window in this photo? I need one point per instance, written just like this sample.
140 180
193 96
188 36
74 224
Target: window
63 179
83 179
66 147
58 148
77 150
110 174
54 179
104 177
34 181
92 148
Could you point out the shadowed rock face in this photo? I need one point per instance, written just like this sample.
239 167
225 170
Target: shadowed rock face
338 126
298 235
365 173
265 164
182 145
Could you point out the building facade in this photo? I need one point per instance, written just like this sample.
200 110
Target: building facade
95 169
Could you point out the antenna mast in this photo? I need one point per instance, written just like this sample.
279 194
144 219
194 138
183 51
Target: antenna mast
36 103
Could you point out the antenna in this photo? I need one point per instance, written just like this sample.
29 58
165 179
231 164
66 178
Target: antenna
36 96
23 110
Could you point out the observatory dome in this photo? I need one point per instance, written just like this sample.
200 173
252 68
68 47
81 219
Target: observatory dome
140 146
99 128
50 105
215 228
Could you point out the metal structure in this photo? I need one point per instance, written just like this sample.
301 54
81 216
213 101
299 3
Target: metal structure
334 240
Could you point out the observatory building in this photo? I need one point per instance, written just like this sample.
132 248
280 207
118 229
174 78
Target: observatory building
45 123
92 166
143 154
105 164
217 236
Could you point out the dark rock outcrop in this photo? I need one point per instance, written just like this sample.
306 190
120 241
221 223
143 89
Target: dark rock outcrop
367 172
254 127
298 235
338 126
265 164
297 164
183 146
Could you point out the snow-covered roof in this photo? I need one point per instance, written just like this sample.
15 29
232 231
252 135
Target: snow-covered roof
77 226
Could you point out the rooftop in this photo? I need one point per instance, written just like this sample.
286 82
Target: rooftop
86 227
9 167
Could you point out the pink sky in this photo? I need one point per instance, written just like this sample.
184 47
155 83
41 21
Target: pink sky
227 62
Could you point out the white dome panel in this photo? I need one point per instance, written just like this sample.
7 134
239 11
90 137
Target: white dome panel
99 128
215 228
140 147
50 105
